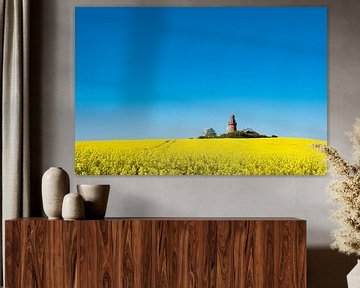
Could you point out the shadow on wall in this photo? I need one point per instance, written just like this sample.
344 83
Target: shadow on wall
139 207
36 58
328 268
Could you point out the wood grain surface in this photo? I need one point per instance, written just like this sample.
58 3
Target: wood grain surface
159 252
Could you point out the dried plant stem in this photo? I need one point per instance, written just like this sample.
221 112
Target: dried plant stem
345 192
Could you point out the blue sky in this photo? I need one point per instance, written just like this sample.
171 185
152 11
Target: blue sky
171 72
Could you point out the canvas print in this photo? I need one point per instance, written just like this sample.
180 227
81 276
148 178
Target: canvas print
200 90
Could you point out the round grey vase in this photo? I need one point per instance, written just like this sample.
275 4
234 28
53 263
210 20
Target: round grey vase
55 185
96 198
73 207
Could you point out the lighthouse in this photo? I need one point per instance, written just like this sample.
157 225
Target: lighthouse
232 124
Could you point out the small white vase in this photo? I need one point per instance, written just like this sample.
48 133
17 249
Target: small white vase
353 278
73 207
96 198
55 185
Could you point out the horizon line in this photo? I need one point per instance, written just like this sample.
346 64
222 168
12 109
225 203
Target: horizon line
194 138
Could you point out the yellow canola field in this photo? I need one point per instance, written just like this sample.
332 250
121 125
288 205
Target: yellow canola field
261 156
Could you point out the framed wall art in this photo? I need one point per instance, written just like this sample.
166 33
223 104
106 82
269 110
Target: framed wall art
200 90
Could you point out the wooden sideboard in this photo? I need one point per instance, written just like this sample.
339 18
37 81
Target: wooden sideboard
156 252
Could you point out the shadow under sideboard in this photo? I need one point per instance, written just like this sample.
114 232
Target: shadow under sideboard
328 268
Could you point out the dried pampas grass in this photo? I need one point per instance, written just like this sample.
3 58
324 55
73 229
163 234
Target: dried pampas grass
345 192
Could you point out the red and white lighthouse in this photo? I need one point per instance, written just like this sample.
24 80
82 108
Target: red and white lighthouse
232 125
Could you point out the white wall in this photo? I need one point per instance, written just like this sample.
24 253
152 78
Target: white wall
52 92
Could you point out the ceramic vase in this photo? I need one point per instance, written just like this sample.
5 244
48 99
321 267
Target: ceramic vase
73 207
353 278
96 198
55 185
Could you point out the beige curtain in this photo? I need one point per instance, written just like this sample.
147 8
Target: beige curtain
14 37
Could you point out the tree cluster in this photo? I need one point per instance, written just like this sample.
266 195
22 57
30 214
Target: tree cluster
210 133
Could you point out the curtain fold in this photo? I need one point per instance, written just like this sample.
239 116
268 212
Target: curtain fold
14 30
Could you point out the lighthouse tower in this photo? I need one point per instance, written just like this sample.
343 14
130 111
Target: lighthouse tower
232 124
